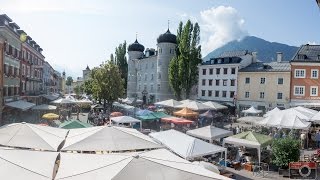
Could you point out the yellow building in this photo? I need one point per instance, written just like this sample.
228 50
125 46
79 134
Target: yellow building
264 85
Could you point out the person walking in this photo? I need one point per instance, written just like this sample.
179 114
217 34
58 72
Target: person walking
318 139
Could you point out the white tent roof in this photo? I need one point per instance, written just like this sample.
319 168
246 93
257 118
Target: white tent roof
23 105
84 101
252 110
23 164
44 107
250 119
274 110
214 105
289 118
105 138
51 96
194 105
169 103
27 135
125 119
308 113
63 101
149 165
209 133
316 118
186 101
186 146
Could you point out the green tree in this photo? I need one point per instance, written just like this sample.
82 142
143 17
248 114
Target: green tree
69 82
87 87
175 81
188 56
285 150
78 89
121 61
107 83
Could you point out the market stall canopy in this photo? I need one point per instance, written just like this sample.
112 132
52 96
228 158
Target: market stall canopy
106 138
25 135
168 103
44 107
289 118
186 112
249 139
250 119
207 165
22 105
74 124
147 165
115 114
207 114
194 105
23 164
186 101
274 110
175 120
143 112
316 118
251 110
214 105
51 97
63 101
309 113
148 117
160 115
185 146
125 119
209 133
83 101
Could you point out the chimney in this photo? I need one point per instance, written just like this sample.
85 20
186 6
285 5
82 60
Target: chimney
279 57
254 57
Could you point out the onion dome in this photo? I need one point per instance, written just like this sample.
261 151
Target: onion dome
136 46
167 38
63 73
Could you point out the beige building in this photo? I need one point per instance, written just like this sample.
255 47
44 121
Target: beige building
264 85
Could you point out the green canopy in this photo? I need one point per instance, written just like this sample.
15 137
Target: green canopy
249 139
148 117
160 115
262 139
74 124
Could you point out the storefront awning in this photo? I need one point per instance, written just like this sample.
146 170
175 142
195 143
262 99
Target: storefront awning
23 105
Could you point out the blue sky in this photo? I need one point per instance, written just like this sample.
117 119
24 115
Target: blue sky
77 33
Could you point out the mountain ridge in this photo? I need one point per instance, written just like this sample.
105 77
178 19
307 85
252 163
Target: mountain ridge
266 50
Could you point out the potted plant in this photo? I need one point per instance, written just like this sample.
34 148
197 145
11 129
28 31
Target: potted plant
284 151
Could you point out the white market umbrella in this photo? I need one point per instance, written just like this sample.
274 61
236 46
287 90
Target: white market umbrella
289 118
194 105
209 133
25 135
168 103
185 146
214 105
274 110
148 165
107 138
251 110
306 111
23 164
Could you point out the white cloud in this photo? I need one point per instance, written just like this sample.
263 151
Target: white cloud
219 26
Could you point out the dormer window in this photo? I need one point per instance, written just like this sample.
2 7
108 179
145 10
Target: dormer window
301 56
6 22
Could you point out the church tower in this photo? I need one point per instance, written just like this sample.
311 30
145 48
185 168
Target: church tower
167 44
135 51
